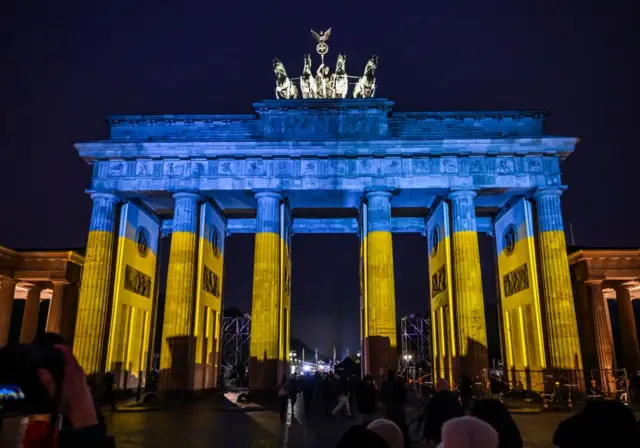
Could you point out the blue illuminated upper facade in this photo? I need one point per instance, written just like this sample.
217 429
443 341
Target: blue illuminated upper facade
323 155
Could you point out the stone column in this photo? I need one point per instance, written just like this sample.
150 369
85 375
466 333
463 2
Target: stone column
7 293
265 307
94 302
467 285
381 298
178 345
30 317
596 338
69 312
56 308
557 294
630 349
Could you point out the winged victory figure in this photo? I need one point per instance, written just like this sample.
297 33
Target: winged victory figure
323 36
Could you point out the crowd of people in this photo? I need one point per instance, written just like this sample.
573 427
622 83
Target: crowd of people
450 418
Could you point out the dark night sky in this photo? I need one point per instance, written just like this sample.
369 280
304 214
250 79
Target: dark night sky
67 64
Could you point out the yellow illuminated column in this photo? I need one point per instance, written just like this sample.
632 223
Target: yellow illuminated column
178 344
467 284
265 306
56 307
381 303
7 292
30 316
630 349
95 295
557 292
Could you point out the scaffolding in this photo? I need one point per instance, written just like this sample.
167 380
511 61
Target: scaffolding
415 332
236 332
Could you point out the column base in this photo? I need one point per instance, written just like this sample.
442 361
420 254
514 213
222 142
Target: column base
178 376
381 357
263 374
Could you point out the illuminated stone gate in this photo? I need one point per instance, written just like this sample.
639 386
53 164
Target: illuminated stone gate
330 166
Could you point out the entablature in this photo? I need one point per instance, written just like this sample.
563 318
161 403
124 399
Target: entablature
314 173
337 225
286 149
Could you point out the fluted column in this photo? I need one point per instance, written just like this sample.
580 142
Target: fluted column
30 317
69 312
557 292
95 296
56 307
467 284
7 293
602 334
381 298
178 345
630 348
265 306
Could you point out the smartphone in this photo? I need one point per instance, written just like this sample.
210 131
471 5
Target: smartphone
12 399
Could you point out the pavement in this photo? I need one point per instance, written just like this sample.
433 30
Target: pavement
203 423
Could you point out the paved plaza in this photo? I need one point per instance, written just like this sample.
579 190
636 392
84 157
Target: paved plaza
201 424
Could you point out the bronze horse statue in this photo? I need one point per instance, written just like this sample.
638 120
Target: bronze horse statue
308 83
285 88
339 79
366 86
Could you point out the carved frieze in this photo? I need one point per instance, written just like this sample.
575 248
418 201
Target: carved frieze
117 168
421 166
174 168
255 168
199 168
144 168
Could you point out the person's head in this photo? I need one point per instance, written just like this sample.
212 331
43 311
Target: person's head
284 377
360 436
442 407
388 431
468 432
622 428
368 379
442 385
496 414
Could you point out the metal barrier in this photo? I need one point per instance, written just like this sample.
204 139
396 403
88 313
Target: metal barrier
609 384
560 388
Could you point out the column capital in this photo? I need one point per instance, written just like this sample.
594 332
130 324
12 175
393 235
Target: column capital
32 286
544 192
59 282
593 281
268 194
378 193
455 194
187 195
108 196
623 287
8 281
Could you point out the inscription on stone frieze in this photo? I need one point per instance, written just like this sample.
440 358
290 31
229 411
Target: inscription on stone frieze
211 282
323 125
439 281
516 280
137 282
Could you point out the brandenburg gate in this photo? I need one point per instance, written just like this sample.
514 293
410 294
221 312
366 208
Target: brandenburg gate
324 163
